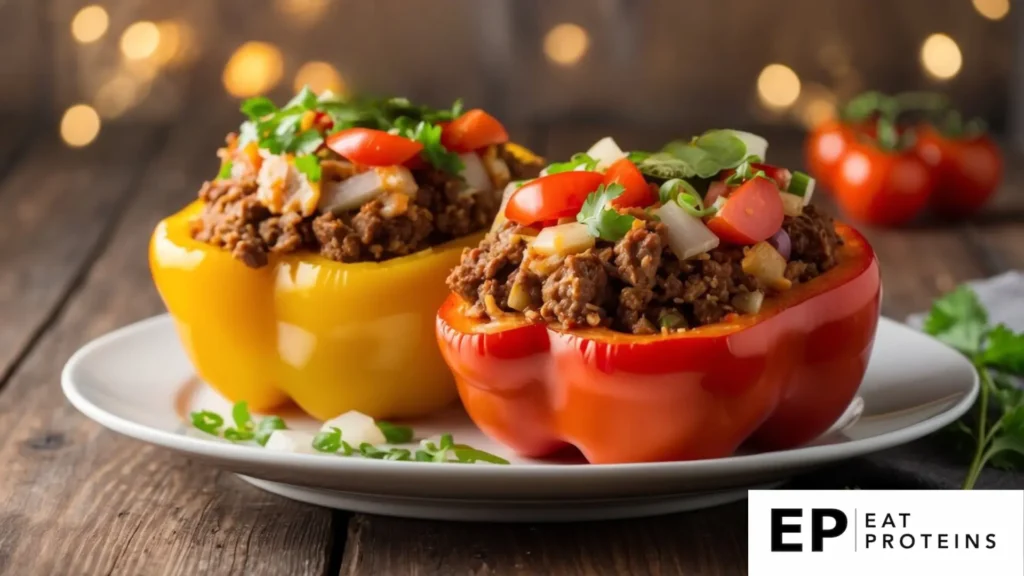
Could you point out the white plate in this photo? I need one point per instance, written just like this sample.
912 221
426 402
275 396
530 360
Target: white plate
136 381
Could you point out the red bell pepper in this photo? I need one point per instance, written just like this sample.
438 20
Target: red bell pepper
778 378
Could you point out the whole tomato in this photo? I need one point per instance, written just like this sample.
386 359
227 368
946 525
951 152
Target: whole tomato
882 187
824 148
967 170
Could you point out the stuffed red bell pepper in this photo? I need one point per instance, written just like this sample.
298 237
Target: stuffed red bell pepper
661 306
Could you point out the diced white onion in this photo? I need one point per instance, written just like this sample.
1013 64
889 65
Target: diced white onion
499 218
474 173
362 188
356 428
397 179
564 239
282 188
291 441
518 297
756 145
352 192
687 235
748 302
792 205
606 152
809 191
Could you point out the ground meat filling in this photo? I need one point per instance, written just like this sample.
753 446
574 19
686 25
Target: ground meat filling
234 219
635 285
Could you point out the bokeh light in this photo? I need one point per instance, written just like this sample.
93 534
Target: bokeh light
140 40
254 68
319 76
90 24
118 94
778 86
177 43
992 9
302 12
79 126
566 44
941 57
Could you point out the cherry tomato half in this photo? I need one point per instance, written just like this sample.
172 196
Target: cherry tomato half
472 131
752 213
880 187
967 170
551 197
637 193
373 147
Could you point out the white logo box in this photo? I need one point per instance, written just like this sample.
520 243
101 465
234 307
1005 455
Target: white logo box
916 532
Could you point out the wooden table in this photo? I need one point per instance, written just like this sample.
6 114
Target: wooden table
78 499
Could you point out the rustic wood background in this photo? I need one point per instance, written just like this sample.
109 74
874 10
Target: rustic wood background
653 61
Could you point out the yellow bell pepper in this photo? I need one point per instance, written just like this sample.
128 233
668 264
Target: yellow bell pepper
330 336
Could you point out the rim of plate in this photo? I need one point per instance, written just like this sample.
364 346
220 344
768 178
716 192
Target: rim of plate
797 457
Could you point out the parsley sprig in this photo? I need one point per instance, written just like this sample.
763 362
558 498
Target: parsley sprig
959 320
601 221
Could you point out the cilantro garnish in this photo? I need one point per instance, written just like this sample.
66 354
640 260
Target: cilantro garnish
959 320
603 222
579 159
283 130
430 136
225 170
308 165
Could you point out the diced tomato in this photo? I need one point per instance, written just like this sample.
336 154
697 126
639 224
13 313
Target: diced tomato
373 147
472 131
752 213
637 193
781 176
551 197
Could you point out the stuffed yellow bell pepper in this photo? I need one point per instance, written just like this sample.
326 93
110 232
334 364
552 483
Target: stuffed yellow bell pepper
312 268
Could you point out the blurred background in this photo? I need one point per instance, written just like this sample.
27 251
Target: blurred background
661 67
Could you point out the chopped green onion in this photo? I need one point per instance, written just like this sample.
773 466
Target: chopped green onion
225 170
209 422
671 320
394 433
469 455
236 435
328 441
798 185
266 427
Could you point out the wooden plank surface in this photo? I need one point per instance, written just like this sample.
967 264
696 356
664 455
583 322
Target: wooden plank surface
83 500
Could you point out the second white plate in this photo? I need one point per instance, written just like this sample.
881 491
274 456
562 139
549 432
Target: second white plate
136 381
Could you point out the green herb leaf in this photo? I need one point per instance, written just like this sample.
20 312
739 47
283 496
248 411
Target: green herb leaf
398 454
602 222
577 160
306 99
703 157
266 427
1004 350
347 448
395 434
370 451
258 108
328 441
225 170
959 320
209 422
469 455
307 142
430 136
308 165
